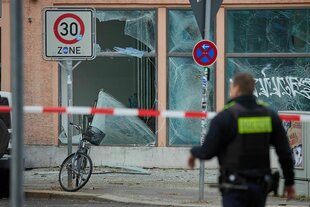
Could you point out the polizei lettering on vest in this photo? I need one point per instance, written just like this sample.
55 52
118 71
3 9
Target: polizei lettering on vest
252 125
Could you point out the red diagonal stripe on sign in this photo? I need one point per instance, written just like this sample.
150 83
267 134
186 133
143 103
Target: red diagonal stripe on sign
205 53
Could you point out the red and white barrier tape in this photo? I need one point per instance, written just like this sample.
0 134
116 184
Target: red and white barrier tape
137 112
113 111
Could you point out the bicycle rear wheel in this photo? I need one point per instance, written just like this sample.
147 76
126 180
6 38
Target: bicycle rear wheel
77 165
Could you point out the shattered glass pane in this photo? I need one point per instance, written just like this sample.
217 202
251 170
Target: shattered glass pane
185 88
121 129
185 78
284 83
268 30
140 25
183 31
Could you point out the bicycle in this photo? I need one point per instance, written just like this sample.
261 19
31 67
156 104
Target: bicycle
76 169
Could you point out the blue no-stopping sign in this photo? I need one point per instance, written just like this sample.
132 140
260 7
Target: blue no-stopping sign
205 53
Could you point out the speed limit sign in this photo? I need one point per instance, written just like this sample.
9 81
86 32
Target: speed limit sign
69 33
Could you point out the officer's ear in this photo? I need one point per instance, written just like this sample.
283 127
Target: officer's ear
238 91
234 91
231 89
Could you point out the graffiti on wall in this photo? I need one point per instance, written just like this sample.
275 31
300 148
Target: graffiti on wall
294 134
283 83
282 86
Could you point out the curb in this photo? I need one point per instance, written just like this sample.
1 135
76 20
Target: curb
102 197
60 194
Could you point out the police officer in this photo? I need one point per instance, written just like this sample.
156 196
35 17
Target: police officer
240 137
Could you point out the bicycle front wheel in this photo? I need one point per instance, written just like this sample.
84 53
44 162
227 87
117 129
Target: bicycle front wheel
75 172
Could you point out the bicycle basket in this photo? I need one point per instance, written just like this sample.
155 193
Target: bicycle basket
93 135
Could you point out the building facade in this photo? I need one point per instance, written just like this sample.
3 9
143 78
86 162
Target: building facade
269 38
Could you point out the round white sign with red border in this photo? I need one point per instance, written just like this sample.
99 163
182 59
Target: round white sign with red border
205 53
77 28
69 33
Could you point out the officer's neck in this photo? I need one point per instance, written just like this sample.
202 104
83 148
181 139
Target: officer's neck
244 98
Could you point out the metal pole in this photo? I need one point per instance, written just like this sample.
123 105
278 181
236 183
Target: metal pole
69 68
208 19
204 98
17 78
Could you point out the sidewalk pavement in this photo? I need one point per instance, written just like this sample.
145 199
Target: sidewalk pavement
164 187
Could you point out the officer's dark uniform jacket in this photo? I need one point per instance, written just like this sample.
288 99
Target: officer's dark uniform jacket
240 137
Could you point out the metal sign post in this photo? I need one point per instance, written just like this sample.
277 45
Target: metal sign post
67 65
205 79
69 70
204 100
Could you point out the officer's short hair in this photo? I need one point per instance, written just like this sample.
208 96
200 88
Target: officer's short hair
246 83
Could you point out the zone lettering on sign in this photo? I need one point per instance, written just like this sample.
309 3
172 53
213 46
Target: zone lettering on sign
69 34
205 53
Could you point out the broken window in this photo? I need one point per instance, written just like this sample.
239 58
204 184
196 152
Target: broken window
282 75
183 31
185 78
123 75
268 30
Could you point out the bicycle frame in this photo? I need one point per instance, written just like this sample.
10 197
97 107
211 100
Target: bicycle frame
82 147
